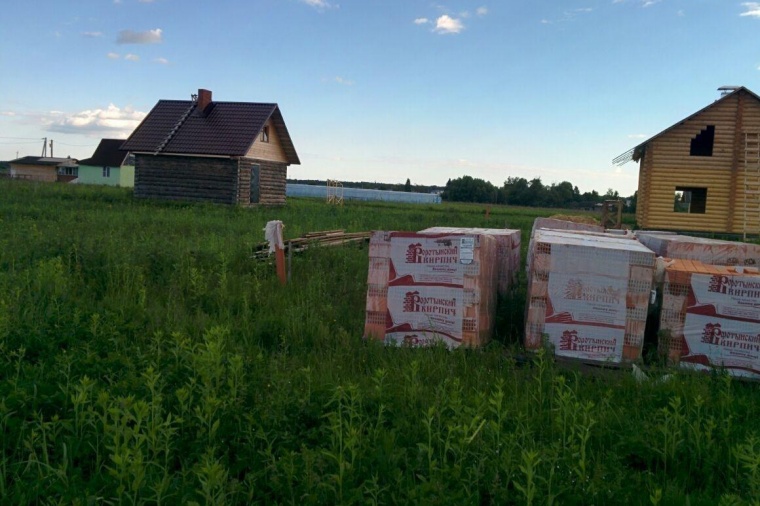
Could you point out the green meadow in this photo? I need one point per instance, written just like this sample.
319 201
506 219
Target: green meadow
147 358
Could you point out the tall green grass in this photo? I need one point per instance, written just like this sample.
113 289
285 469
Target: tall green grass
146 358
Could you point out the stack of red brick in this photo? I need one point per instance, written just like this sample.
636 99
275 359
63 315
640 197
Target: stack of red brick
425 288
710 317
588 295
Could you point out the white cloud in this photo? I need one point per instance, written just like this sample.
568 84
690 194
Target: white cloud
637 136
446 24
753 9
92 34
346 82
111 121
421 21
162 61
146 37
318 4
649 3
481 11
7 113
117 1
131 57
113 56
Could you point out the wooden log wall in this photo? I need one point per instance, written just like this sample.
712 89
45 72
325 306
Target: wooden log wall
667 164
35 172
272 182
186 178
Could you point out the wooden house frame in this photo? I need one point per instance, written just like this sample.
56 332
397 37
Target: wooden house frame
703 173
201 150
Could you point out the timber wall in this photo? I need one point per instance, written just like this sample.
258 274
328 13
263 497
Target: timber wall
667 164
271 151
272 182
186 178
35 172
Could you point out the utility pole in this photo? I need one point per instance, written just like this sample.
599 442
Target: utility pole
44 147
51 148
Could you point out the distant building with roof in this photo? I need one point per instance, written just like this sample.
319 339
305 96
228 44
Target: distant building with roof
44 168
226 152
108 165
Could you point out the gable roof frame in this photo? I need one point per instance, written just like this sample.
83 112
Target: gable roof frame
637 152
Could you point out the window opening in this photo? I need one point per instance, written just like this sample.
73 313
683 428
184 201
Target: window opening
702 143
690 200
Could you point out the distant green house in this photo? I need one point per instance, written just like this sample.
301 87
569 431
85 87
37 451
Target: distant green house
108 165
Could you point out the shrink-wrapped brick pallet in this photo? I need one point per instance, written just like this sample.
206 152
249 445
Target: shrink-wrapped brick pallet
711 317
429 288
557 224
705 250
588 295
507 251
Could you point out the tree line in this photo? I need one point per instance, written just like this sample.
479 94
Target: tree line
518 191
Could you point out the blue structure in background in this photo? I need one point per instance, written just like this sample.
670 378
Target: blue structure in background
308 190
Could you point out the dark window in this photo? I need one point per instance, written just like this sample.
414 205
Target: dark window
702 144
106 171
265 134
68 171
690 200
255 181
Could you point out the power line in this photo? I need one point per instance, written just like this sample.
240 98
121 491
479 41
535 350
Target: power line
23 138
75 145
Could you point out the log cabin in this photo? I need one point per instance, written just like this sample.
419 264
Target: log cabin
703 173
201 150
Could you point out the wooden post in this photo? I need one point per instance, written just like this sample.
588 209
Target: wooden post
290 257
279 260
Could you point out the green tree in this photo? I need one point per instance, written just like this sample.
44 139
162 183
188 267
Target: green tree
408 185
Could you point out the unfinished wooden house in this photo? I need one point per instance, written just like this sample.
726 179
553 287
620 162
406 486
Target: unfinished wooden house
703 173
225 152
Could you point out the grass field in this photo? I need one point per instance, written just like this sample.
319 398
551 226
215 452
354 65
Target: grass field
145 358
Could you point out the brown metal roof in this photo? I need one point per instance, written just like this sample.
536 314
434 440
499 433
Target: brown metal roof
107 154
222 129
637 152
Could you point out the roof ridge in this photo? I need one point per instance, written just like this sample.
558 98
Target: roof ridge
176 127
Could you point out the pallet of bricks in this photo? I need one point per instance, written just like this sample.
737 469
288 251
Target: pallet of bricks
710 317
507 251
703 249
588 295
424 289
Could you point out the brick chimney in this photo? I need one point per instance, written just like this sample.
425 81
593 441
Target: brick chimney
204 99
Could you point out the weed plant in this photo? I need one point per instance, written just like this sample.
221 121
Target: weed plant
146 358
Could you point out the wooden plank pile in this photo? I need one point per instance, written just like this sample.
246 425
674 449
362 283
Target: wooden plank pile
311 239
711 317
588 295
430 288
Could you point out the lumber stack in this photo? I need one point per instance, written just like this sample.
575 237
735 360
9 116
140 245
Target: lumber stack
702 249
588 295
711 317
507 251
310 239
423 289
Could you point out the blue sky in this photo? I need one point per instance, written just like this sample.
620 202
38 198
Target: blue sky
384 90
